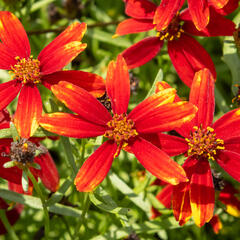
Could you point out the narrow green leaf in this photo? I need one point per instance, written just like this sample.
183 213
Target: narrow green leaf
158 78
220 101
25 182
39 4
14 132
5 133
9 164
36 203
126 190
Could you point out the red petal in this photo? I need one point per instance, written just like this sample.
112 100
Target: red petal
131 25
227 197
227 126
72 33
140 9
8 91
216 224
202 193
231 6
233 144
60 57
6 59
199 11
165 118
96 167
157 162
48 172
166 142
13 35
81 102
142 52
29 111
148 105
202 96
165 196
71 125
218 26
230 162
181 203
118 85
89 81
218 3
165 12
4 119
188 57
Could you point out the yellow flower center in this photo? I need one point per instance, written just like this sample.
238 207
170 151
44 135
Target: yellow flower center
26 70
203 143
120 129
173 31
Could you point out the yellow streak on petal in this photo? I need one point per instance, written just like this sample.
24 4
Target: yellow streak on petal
232 210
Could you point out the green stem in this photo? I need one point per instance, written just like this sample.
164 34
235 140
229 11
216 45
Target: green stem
40 194
81 221
7 225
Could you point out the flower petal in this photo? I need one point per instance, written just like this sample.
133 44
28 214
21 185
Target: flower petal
232 144
152 102
230 162
166 117
60 57
140 9
142 52
118 85
157 162
202 96
131 25
48 172
71 125
91 82
231 6
188 57
4 119
72 33
166 142
6 59
81 102
217 26
8 91
216 224
29 111
13 35
218 3
165 12
96 167
199 11
227 126
202 193
165 196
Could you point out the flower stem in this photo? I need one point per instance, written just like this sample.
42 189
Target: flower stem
40 194
7 225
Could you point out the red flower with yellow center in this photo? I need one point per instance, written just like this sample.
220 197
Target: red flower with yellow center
186 54
203 141
27 72
156 113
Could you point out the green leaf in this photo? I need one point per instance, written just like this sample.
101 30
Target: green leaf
126 190
9 164
102 200
39 4
14 132
36 203
25 182
158 78
5 133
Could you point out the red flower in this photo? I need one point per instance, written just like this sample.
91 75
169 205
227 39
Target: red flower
27 72
22 153
203 140
156 113
187 55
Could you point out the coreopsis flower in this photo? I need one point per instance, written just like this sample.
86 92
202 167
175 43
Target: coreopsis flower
200 10
156 113
23 154
28 72
202 141
186 54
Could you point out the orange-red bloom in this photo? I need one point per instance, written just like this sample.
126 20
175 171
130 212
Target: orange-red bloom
187 55
155 114
23 155
203 140
27 72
